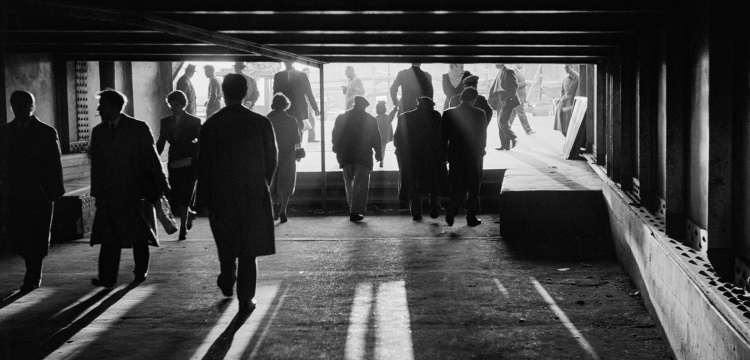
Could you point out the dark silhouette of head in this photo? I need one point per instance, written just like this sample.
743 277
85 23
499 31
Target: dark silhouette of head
234 87
469 94
280 102
22 104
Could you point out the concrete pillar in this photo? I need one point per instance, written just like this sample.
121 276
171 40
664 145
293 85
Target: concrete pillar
106 75
646 118
628 137
60 80
600 120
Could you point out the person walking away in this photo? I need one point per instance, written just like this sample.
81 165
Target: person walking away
414 83
464 136
31 180
385 127
504 99
186 86
287 140
214 92
311 137
520 110
236 164
421 157
453 83
353 87
480 103
564 105
252 87
181 130
355 136
296 86
126 178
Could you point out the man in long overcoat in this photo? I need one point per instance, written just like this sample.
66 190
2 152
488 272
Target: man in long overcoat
421 158
564 105
414 83
126 178
236 164
31 179
296 86
504 98
185 85
355 135
464 134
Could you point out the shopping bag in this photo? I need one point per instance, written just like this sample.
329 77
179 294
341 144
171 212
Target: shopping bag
165 216
306 125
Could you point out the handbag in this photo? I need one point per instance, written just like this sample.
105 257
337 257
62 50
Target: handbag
299 154
165 216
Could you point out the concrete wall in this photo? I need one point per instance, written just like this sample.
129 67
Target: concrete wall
697 114
32 73
741 152
151 85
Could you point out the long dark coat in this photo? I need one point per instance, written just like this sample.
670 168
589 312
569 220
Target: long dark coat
414 83
183 143
355 135
287 137
564 109
421 157
185 85
31 180
126 178
236 164
296 86
464 134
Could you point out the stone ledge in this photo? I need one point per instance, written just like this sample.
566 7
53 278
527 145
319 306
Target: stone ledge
698 315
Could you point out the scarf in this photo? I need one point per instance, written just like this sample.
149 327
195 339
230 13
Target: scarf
456 74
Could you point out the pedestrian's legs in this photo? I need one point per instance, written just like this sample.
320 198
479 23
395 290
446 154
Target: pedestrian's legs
415 205
522 117
247 276
506 134
513 116
33 276
283 202
109 262
311 132
457 179
383 144
360 187
473 183
348 173
141 258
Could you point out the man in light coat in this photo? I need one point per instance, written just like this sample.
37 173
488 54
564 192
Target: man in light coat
31 180
213 104
126 178
353 87
504 98
236 164
185 85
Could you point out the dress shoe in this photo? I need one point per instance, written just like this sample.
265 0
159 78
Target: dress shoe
102 283
183 235
247 305
530 132
355 217
139 278
417 218
473 221
435 212
502 148
28 287
227 287
450 215
283 218
513 143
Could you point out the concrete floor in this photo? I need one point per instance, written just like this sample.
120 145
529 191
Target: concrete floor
387 288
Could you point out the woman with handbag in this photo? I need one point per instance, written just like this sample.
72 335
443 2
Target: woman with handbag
287 141
181 130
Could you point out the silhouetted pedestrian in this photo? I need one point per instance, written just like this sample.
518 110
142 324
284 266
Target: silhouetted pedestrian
464 134
252 87
385 126
564 105
213 104
181 130
311 137
126 178
186 86
287 141
421 157
453 83
296 86
413 83
504 99
481 102
355 135
236 164
31 180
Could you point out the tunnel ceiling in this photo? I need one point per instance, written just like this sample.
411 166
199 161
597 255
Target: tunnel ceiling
317 32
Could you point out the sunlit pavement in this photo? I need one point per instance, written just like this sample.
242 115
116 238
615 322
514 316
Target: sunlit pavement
386 288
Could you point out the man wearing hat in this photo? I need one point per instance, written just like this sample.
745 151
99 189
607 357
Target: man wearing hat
252 87
214 92
504 98
481 102
296 86
464 136
355 135
185 85
421 158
